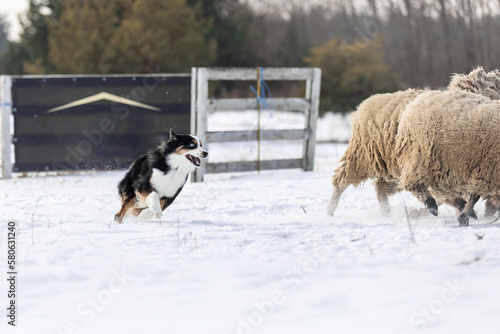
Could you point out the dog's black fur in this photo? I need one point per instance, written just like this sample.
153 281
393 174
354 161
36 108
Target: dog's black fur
179 155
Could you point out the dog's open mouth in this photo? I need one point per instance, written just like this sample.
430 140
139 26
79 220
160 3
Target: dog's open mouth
194 160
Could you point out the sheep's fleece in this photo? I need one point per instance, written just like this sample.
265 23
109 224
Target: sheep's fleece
370 150
449 142
375 124
370 154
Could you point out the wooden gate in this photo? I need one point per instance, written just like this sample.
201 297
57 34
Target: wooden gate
201 104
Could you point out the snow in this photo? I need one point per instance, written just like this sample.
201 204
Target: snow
252 253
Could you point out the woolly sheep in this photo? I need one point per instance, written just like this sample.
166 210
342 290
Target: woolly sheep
494 76
478 81
448 142
491 79
369 154
492 205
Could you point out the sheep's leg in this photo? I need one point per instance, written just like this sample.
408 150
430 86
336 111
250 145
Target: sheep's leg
463 219
334 201
385 189
425 196
491 208
493 202
344 176
459 205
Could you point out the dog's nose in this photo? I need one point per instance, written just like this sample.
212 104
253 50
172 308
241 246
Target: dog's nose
204 154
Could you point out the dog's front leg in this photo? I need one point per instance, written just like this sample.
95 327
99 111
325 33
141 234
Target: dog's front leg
153 201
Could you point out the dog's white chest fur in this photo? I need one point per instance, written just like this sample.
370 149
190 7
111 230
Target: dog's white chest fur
167 185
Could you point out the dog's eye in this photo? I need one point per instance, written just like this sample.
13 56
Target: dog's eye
192 145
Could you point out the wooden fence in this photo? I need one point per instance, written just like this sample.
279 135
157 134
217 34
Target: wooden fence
201 105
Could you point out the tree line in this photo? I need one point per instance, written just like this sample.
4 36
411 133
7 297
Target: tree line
364 47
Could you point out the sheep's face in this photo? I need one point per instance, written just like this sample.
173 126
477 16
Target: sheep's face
488 83
488 87
494 78
479 82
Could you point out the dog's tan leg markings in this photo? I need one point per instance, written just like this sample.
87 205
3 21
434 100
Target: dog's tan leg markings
139 204
135 205
141 199
163 201
149 201
126 205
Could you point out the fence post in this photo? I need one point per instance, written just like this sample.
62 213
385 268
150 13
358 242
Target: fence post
201 115
193 101
5 131
193 125
312 118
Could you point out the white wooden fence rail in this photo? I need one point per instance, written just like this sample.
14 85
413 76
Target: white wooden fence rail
201 105
5 127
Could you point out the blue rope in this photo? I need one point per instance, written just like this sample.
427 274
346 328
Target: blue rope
264 88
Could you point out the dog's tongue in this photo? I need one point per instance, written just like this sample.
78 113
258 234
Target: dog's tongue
195 160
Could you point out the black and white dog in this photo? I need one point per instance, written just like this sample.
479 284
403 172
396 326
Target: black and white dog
156 178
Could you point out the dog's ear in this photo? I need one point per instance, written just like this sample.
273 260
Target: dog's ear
173 135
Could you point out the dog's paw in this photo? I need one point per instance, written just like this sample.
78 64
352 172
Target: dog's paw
156 211
154 205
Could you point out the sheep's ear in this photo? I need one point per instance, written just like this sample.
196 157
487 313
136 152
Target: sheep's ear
173 135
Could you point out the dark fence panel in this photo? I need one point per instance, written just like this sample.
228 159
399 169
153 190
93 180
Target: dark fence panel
103 123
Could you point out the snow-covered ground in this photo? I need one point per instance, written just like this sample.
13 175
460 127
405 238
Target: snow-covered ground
246 254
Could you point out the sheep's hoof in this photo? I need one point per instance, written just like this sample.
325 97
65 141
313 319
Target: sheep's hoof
463 220
431 206
473 215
